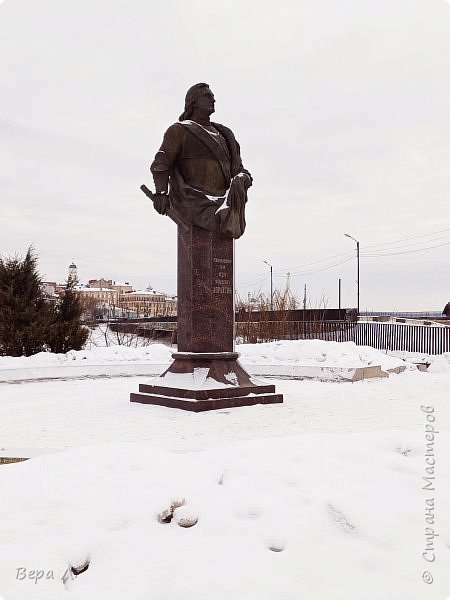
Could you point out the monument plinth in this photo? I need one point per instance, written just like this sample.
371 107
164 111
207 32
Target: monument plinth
205 373
205 291
197 155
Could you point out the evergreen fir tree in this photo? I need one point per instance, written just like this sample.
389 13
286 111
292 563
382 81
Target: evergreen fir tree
29 322
25 316
67 333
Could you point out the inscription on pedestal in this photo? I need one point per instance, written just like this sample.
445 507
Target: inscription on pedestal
223 275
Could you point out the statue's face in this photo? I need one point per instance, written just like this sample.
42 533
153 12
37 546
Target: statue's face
206 102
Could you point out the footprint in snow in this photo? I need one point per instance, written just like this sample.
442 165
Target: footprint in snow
339 518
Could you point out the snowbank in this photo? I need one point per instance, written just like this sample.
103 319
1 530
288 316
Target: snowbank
154 353
437 363
316 352
286 352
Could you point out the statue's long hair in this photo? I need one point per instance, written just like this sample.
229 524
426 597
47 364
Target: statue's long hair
193 93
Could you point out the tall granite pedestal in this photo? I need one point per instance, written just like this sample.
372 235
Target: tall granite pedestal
205 373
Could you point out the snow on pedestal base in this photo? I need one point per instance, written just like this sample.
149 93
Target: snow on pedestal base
206 381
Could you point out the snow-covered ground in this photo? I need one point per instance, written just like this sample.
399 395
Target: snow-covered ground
321 497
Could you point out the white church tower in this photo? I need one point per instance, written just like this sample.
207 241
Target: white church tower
73 271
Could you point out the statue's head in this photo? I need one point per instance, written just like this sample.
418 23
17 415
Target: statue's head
198 96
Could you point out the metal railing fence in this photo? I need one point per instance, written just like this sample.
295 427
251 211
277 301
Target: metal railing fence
383 336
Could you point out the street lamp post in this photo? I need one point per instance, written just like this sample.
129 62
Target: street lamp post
271 283
357 266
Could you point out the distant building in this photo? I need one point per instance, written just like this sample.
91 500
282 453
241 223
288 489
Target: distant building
149 303
100 283
73 271
116 299
102 294
122 288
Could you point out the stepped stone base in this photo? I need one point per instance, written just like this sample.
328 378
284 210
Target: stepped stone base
206 381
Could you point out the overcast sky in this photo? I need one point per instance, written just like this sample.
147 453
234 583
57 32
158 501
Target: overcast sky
342 110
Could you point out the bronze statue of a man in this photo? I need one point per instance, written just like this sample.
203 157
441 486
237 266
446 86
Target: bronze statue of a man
198 172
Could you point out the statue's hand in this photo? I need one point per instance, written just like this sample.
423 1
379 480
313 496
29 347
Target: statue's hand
243 180
161 203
